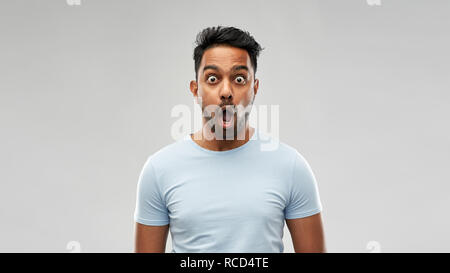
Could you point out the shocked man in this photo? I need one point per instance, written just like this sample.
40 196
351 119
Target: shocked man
218 189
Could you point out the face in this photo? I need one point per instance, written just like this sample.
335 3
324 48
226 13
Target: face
225 82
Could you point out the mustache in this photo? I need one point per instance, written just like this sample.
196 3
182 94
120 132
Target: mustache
212 109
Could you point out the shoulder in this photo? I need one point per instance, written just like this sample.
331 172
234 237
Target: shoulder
280 154
274 147
167 155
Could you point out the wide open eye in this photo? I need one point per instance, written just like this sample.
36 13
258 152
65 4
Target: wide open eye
240 79
211 79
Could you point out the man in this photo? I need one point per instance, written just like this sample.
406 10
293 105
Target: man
218 193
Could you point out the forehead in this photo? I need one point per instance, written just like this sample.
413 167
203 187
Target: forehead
225 57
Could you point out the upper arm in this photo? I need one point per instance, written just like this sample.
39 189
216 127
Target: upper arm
151 209
307 233
150 238
303 210
304 199
151 214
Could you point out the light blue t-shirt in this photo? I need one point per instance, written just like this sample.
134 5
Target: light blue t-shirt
226 201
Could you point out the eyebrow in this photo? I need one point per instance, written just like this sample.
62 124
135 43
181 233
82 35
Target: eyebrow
236 67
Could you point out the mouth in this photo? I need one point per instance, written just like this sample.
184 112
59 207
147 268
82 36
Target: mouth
227 118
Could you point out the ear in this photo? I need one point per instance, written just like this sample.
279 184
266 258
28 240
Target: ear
256 86
194 89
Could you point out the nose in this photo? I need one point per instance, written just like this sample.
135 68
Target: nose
225 93
224 97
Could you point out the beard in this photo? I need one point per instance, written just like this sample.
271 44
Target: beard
240 118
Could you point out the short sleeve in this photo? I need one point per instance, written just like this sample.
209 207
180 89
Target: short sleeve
150 206
304 198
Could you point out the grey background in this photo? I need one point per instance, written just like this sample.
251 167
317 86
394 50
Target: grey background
86 94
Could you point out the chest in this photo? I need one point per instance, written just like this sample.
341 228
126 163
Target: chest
221 200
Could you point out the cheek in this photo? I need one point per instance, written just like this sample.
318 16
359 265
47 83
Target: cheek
247 97
205 95
206 91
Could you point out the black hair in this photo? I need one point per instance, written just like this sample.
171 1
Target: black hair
220 35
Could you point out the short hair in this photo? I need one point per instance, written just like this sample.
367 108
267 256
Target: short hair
220 35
